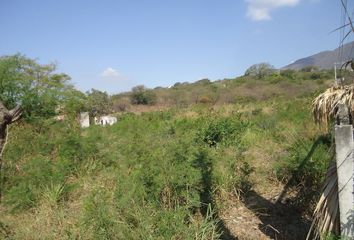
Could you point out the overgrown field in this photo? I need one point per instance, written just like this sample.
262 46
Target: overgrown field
157 175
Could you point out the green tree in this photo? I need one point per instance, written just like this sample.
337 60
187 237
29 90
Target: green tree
260 70
35 87
142 95
74 102
30 90
99 102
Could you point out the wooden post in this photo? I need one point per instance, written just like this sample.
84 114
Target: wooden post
344 159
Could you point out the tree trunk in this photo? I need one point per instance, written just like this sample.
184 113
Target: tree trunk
6 118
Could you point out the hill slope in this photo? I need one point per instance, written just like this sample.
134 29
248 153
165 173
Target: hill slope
325 59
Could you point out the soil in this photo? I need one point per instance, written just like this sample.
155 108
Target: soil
261 216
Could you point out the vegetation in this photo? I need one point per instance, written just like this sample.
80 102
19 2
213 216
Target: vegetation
142 95
248 88
327 106
98 102
162 174
260 70
37 88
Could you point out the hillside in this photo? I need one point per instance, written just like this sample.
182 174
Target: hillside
205 161
286 83
325 59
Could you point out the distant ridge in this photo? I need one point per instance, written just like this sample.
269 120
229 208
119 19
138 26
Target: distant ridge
325 59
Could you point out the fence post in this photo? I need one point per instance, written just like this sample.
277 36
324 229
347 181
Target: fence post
344 159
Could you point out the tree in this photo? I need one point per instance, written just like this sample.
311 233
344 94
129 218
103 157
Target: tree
30 90
260 70
74 102
98 102
142 95
37 88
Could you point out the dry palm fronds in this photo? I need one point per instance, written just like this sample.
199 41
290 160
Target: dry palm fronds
324 107
326 215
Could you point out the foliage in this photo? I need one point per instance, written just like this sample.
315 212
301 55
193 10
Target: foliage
288 73
297 166
55 155
244 89
242 184
161 174
75 102
260 70
223 130
141 95
37 88
98 102
206 100
121 104
204 81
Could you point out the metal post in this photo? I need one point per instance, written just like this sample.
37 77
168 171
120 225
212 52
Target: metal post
335 73
344 159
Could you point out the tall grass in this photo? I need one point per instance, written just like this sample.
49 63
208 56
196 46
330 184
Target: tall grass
157 175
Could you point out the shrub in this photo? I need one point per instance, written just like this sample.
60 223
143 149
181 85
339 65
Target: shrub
204 82
288 73
306 162
315 75
142 95
224 130
120 106
241 183
55 151
205 100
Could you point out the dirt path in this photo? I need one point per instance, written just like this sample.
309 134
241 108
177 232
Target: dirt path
261 217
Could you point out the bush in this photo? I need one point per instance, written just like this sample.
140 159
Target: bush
241 183
224 130
120 106
142 95
315 75
288 73
305 164
205 100
55 152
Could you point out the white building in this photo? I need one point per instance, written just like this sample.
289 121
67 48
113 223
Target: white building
84 119
105 120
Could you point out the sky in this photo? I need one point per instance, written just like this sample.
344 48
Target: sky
113 45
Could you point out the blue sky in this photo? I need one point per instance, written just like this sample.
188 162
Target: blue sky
115 45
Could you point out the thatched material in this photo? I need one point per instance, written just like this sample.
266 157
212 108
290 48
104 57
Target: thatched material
324 107
326 215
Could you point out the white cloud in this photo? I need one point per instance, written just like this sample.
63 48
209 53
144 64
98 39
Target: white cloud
259 10
110 72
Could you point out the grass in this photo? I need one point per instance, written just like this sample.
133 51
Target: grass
156 175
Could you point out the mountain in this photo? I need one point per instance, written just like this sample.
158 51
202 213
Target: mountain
326 59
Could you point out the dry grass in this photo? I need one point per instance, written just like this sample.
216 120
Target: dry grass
324 107
326 215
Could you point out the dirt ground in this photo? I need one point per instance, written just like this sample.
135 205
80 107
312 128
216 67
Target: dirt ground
261 216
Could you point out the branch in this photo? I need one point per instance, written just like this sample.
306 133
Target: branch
15 114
